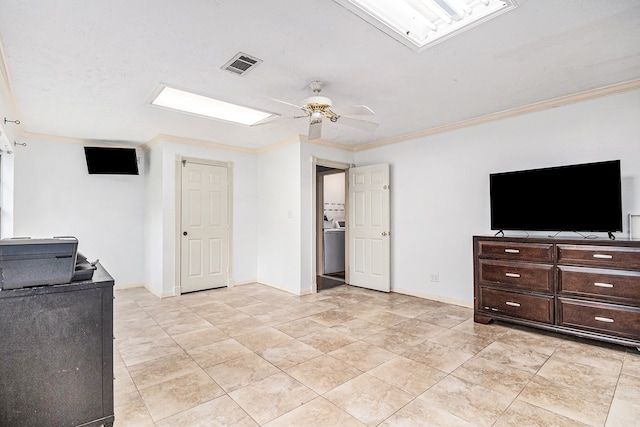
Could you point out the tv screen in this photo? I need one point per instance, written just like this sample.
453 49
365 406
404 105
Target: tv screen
114 161
584 197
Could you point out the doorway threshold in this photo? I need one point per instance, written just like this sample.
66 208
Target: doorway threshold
328 282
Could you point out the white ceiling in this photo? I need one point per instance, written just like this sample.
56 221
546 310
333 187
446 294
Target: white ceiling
87 69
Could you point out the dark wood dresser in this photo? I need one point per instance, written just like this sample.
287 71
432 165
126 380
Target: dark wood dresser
56 354
583 287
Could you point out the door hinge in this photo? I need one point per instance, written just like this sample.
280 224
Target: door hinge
184 163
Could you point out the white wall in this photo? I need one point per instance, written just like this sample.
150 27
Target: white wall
160 214
440 184
279 217
286 181
334 196
154 234
55 196
6 170
439 199
6 189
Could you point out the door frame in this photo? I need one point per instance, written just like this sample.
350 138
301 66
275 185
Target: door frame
317 217
179 161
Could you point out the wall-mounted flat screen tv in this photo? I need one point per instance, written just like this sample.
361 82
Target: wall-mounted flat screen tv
113 161
583 197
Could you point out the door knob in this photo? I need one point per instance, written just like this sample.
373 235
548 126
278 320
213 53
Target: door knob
184 233
384 233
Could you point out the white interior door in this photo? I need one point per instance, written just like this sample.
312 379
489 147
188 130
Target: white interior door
205 227
369 241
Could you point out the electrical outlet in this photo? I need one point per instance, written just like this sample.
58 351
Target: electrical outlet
435 277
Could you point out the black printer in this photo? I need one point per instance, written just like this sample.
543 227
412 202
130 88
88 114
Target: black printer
26 262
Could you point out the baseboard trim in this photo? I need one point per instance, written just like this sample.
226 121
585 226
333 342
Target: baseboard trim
130 286
244 282
280 288
308 292
433 297
144 285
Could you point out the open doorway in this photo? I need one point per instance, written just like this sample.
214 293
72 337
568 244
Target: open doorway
367 232
331 229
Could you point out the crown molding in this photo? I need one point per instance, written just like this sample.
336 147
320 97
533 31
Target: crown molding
526 109
78 141
327 143
293 140
192 141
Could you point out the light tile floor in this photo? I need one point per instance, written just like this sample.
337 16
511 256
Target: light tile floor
252 355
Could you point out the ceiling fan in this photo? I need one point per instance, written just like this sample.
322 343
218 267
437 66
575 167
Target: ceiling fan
317 107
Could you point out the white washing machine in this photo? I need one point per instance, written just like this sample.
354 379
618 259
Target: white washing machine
333 250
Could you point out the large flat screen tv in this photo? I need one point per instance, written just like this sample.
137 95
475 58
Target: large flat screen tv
583 197
110 160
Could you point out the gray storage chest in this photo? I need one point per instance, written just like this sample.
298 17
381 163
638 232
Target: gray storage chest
36 262
56 349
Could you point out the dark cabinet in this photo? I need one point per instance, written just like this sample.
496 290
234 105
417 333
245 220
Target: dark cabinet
56 354
588 288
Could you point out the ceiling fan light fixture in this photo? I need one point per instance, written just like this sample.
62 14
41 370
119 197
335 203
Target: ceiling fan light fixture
317 108
316 100
191 103
316 115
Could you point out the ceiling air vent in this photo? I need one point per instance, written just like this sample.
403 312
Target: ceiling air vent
241 64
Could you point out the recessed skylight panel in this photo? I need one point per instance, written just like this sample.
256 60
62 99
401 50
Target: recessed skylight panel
192 103
419 23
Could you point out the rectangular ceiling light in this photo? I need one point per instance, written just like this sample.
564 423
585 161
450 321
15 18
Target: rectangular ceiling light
420 23
192 103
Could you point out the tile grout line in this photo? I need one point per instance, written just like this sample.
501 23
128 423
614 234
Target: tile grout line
333 300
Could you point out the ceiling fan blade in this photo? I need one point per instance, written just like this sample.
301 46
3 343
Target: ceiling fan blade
357 123
354 110
288 103
315 127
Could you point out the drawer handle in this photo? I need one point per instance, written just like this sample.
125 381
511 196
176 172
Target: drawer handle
602 256
513 304
512 251
603 285
604 319
512 275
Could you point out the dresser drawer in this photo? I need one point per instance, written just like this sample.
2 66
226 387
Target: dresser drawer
516 251
512 275
614 285
529 307
599 317
606 256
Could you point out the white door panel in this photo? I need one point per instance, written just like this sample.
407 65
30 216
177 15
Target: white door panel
205 227
359 252
215 256
195 257
369 221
